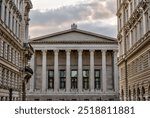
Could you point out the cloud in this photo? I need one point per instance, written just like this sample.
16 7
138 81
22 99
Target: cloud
54 20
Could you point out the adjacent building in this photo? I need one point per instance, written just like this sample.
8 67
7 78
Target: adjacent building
134 49
74 65
14 48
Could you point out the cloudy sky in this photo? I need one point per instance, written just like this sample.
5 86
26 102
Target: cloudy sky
48 16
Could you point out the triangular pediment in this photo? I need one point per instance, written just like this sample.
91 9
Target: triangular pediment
73 36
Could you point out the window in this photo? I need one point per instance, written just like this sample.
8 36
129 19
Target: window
12 55
8 48
16 28
5 15
13 23
9 18
4 45
62 79
141 28
147 21
74 79
85 79
1 48
97 79
50 79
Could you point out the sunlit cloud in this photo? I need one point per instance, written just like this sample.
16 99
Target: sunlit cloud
94 15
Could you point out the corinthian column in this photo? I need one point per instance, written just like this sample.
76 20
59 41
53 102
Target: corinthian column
80 70
56 72
44 80
92 70
104 78
68 81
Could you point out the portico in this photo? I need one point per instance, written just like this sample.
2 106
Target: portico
74 67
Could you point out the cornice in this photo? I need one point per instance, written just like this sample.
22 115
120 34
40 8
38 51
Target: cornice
72 42
143 41
135 48
6 35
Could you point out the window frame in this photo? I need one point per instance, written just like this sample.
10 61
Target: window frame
97 79
85 80
74 80
50 80
62 79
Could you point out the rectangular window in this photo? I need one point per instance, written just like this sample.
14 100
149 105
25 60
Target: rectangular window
141 28
16 28
8 48
5 15
147 21
12 55
74 79
85 79
51 79
4 45
9 18
12 23
97 79
1 48
62 79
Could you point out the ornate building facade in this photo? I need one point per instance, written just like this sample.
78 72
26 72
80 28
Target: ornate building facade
14 48
74 65
134 49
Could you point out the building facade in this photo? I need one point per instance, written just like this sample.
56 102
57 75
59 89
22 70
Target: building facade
74 65
14 48
134 49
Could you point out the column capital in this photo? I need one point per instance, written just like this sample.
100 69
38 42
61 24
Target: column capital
91 50
44 51
103 50
80 50
56 50
68 50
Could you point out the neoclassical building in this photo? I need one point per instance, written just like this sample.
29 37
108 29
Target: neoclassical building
14 48
74 65
134 49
